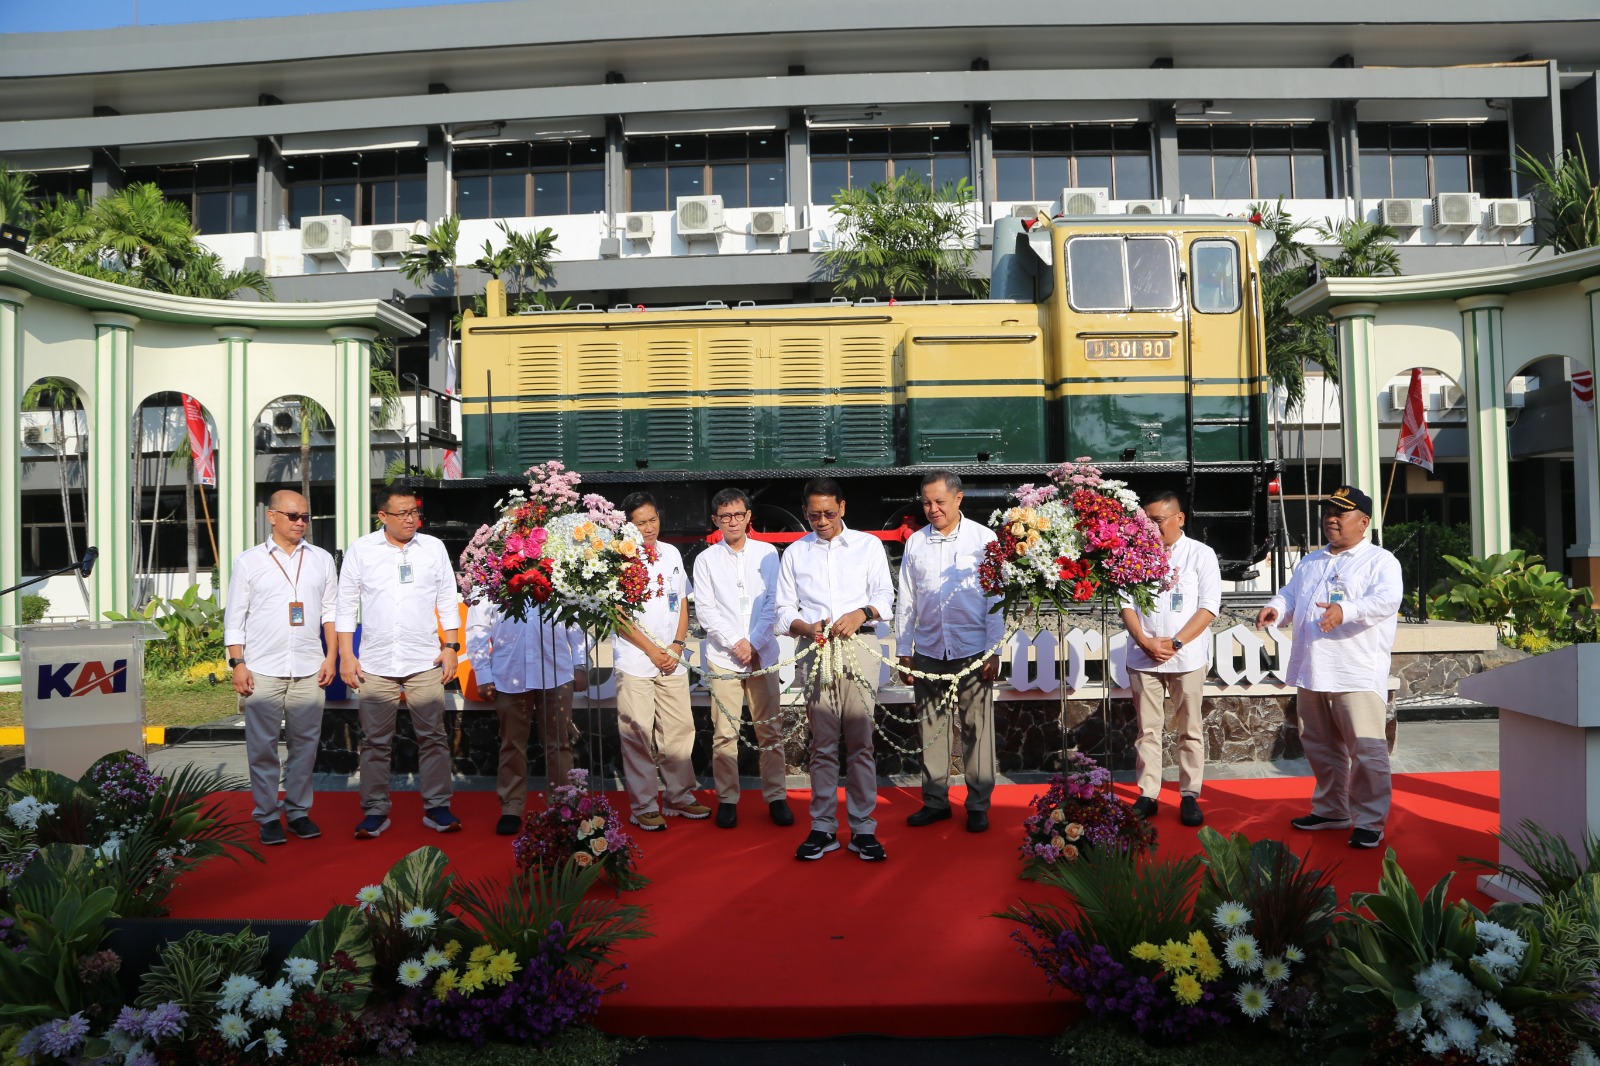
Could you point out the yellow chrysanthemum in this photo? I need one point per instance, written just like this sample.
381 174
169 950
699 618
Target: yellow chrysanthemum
1208 968
443 984
452 949
1146 952
1176 956
501 968
473 980
480 953
1186 989
1198 941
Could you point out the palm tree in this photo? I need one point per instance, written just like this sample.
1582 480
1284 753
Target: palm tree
1569 201
435 253
904 238
140 228
1366 249
59 396
531 255
200 273
16 187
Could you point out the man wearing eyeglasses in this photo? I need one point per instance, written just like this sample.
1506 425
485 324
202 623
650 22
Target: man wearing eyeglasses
735 583
1168 658
401 584
833 583
278 626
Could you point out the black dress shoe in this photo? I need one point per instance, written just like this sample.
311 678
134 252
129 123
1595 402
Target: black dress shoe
304 828
272 832
927 816
727 815
781 814
1145 807
1189 812
508 825
977 821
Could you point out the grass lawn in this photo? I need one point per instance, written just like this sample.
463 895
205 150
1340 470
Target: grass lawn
167 703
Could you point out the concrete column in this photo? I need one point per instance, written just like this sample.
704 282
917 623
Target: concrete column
1488 453
1358 401
439 200
983 183
110 412
1166 149
1585 553
236 456
11 389
352 419
798 167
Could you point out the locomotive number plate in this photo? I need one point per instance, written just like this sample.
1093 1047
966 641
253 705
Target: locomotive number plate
1127 348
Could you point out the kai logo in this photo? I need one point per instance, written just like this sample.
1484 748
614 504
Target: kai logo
82 679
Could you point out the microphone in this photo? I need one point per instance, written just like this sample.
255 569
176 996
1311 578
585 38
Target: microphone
86 564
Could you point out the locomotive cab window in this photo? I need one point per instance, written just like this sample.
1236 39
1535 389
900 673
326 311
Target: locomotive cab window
1121 274
1214 273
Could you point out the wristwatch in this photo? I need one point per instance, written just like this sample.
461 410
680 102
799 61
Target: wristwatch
1176 644
452 646
232 662
870 611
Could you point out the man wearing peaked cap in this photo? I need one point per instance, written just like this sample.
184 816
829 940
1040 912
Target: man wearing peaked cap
1344 602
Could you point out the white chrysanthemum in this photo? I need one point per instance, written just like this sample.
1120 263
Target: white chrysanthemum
1294 954
1498 961
235 990
418 920
274 1043
1442 986
1253 1001
109 849
1231 915
234 1029
270 1001
1435 1044
412 973
1497 1053
300 971
1459 1031
434 959
1583 1055
1497 1018
1242 953
1409 1019
1492 934
369 896
1274 971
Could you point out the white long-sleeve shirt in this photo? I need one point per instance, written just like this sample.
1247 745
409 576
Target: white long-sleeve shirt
399 626
1353 656
669 587
266 579
518 656
820 579
1197 586
942 611
735 598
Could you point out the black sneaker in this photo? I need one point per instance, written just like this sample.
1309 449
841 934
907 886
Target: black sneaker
727 815
781 814
304 828
816 845
977 821
272 832
927 816
508 825
1145 807
1366 838
866 845
1189 812
1312 822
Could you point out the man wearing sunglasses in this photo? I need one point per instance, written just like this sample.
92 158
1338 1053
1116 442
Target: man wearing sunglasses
278 626
401 584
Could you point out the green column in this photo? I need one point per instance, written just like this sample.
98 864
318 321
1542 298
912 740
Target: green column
110 409
11 389
236 481
1358 401
352 425
1484 378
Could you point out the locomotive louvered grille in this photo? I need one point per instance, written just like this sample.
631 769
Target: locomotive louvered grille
598 422
668 419
540 370
730 417
865 421
802 393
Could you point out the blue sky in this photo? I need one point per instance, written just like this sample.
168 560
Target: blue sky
24 16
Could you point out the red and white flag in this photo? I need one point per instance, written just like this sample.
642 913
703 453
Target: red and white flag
1583 387
1415 445
201 445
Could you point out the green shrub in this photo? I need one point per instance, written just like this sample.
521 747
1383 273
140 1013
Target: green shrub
1515 593
193 627
33 608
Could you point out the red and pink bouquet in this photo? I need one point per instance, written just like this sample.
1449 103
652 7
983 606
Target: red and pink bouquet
1077 813
1079 539
580 826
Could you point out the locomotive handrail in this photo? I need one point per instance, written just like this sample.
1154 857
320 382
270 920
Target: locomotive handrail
1126 333
596 327
960 338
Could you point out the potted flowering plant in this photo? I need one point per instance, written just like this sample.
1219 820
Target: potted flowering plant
581 826
1079 812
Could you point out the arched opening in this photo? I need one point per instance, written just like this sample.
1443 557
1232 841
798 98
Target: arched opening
175 497
295 450
54 490
1541 474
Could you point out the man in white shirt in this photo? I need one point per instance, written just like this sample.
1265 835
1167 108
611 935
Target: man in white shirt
520 666
1168 657
653 685
833 583
1344 601
401 584
735 590
278 626
942 623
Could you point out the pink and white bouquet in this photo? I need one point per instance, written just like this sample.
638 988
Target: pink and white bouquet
1079 539
581 826
571 556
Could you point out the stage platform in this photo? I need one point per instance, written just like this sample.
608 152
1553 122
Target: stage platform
750 943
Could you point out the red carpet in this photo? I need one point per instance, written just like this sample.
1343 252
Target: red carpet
750 943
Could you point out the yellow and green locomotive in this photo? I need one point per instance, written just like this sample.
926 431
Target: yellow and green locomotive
1135 341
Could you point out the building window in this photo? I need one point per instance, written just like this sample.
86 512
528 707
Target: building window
745 169
1036 162
53 183
221 197
1258 162
520 179
855 158
1421 160
369 188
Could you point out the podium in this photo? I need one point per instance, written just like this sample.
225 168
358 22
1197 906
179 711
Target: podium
82 691
1549 749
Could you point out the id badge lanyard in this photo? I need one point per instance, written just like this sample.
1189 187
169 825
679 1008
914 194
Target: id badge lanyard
297 609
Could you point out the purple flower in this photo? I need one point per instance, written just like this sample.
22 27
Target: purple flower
165 1020
62 1036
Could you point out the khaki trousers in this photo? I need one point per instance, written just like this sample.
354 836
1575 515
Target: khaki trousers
380 697
843 710
515 710
727 700
296 704
975 705
1346 744
656 709
1150 691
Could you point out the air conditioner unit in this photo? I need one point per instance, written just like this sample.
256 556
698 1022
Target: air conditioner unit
637 227
1517 392
1084 201
1398 395
286 422
390 240
768 222
1451 396
45 434
1146 207
325 236
1401 214
1028 210
1456 210
699 216
1510 214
